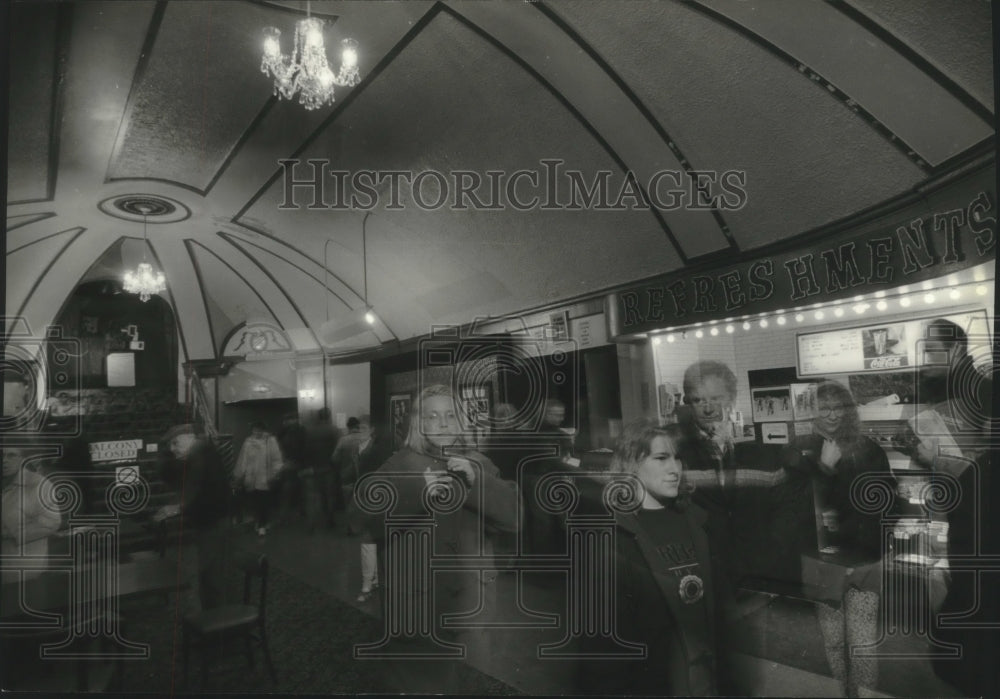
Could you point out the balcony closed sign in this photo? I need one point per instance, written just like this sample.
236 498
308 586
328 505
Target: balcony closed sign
118 450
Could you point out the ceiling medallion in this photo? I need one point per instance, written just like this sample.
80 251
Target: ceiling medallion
306 70
140 207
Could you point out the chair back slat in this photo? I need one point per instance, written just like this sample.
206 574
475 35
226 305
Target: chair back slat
253 566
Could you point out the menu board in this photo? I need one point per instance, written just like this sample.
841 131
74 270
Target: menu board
880 346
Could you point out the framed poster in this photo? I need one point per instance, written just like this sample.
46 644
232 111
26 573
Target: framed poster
121 369
399 418
886 346
771 404
803 401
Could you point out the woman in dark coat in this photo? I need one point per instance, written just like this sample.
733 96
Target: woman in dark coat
434 463
667 598
833 456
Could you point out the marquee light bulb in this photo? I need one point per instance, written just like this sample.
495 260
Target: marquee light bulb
881 305
929 298
714 332
955 294
781 320
799 317
670 338
746 325
656 341
981 290
730 328
838 311
763 322
819 315
905 301
699 334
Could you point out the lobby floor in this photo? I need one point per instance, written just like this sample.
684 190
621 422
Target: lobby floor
780 651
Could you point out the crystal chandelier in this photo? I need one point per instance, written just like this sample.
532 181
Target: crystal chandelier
306 70
144 280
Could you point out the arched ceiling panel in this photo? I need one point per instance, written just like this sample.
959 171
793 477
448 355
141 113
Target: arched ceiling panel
54 281
28 229
732 105
260 281
962 47
30 141
190 105
171 92
468 88
186 298
104 49
903 98
296 282
591 88
229 298
36 257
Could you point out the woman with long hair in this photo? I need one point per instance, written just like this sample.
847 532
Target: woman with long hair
435 461
666 597
833 457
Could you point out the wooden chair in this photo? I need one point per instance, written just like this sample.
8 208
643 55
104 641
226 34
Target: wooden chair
232 621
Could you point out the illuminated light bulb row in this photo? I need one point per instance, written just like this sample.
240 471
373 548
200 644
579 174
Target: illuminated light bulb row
817 312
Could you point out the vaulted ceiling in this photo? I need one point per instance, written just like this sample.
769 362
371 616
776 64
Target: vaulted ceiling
829 108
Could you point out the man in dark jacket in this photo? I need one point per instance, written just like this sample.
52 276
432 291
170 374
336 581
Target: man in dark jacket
292 440
197 471
321 439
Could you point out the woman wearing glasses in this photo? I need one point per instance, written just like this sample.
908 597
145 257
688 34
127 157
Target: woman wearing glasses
833 457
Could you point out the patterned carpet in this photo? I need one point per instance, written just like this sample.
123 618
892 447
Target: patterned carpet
310 634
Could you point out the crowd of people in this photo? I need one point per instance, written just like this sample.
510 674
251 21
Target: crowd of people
674 559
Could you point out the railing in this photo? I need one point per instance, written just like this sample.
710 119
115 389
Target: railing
202 415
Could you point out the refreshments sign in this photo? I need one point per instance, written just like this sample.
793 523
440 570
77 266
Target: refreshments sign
952 229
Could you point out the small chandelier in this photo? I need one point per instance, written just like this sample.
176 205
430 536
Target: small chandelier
144 281
306 70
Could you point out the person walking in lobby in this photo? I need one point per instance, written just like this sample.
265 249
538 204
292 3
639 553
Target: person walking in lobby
258 467
196 470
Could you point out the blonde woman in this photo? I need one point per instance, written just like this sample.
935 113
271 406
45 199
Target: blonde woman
436 455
